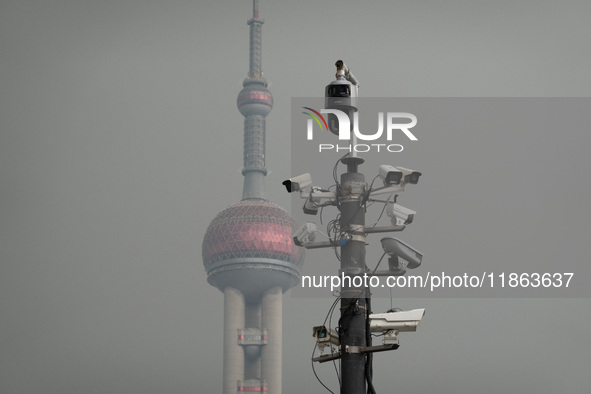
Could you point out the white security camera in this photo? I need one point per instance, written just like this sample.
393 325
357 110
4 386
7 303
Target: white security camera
399 214
390 175
396 247
298 183
324 335
410 176
397 321
305 234
311 205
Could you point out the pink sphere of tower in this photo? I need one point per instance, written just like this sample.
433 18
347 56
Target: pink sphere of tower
249 246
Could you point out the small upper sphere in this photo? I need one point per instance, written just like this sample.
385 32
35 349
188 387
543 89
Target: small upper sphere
255 99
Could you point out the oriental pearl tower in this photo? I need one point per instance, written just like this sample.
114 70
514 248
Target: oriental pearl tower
249 254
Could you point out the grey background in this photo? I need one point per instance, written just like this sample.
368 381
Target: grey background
120 141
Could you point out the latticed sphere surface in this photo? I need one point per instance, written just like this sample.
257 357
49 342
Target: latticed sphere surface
252 237
255 100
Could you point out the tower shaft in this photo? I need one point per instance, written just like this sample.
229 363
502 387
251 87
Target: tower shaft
254 170
255 103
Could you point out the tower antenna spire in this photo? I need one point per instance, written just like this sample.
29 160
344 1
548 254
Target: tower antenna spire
255 9
255 71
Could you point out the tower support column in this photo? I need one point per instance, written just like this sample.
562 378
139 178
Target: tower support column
252 364
272 311
233 354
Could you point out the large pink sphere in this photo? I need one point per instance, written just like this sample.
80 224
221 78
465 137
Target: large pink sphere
252 237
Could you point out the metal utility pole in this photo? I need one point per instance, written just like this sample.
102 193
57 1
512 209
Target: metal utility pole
351 198
354 306
353 336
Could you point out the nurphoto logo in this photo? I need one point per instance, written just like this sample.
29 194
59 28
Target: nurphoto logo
339 123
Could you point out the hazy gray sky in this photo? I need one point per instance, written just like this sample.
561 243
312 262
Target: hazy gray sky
120 141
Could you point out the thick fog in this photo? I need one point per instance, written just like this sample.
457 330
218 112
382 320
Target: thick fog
120 141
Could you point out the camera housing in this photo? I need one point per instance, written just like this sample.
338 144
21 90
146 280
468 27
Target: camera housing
311 205
409 176
298 183
402 321
400 215
325 337
390 175
341 95
305 234
396 247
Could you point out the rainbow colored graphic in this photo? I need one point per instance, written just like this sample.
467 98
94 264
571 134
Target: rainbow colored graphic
315 116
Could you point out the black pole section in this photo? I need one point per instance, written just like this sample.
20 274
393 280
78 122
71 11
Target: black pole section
352 325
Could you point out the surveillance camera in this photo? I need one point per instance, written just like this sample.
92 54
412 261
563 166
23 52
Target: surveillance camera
390 175
297 183
311 206
324 335
396 247
399 214
338 92
342 95
305 234
410 176
397 321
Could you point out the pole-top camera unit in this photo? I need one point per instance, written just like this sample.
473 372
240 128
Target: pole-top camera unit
341 94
